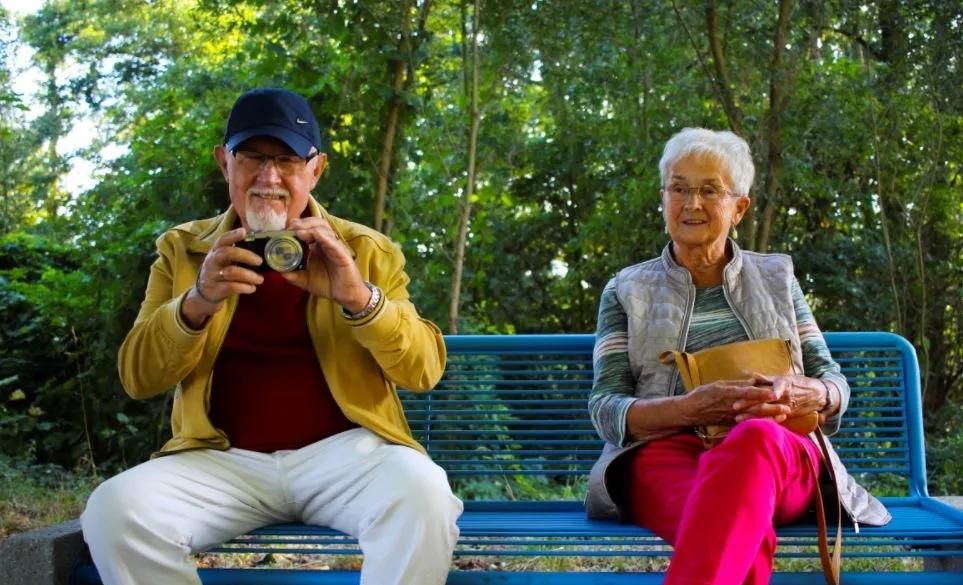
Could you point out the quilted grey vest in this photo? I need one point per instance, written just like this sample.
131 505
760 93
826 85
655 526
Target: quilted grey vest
658 297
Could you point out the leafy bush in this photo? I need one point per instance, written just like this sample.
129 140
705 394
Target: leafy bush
60 400
944 444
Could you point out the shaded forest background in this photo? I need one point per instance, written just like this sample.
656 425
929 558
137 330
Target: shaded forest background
509 147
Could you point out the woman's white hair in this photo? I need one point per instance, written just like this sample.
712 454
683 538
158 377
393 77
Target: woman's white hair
731 150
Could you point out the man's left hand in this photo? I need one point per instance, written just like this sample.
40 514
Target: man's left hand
331 272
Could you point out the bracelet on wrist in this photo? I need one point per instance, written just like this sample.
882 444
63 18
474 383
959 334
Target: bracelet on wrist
828 407
369 308
197 289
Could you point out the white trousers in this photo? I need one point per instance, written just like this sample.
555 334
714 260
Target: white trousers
143 525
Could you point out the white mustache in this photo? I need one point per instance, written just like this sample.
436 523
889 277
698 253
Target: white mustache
275 193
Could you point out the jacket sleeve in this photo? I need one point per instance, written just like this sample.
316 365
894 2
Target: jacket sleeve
613 386
160 348
409 349
817 361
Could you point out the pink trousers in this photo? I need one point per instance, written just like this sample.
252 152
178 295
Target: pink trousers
718 508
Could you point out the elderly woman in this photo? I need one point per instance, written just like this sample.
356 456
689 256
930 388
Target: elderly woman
717 506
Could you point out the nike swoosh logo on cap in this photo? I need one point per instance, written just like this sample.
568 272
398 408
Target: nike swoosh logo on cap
301 121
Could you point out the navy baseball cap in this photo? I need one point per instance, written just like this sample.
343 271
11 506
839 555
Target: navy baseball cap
274 112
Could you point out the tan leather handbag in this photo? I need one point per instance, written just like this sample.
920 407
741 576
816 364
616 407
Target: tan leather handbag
771 357
737 361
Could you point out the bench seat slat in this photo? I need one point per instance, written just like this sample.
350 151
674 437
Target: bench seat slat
564 524
88 576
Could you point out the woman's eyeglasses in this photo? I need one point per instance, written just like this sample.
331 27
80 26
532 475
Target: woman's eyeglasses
680 192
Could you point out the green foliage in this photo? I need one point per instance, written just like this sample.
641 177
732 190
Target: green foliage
16 140
944 446
577 100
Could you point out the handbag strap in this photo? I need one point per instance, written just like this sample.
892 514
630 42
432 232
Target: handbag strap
691 377
829 561
687 365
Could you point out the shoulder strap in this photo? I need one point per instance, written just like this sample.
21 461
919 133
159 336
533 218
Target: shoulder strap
830 562
687 365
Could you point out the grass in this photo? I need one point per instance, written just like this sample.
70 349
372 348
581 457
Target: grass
628 563
33 496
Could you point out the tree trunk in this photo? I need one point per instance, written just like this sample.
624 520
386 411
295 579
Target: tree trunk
722 80
640 75
388 142
884 131
54 197
402 78
728 99
394 112
464 219
779 75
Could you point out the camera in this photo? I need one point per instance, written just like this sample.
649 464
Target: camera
280 250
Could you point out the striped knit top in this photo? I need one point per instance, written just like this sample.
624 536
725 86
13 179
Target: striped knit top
713 323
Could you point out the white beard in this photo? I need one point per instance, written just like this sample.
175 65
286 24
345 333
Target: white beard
261 216
265 219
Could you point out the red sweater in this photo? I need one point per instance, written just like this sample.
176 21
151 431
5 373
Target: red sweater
268 391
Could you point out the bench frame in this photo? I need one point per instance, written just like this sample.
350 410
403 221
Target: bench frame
512 387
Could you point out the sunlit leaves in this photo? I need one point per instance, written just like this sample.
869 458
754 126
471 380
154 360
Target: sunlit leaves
577 100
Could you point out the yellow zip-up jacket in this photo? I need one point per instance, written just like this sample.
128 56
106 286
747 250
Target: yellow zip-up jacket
363 361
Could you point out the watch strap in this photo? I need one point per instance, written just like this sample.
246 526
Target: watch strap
369 308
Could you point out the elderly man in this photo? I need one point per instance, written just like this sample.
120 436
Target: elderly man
285 406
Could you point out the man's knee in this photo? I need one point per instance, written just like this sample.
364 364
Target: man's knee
106 520
118 510
420 490
106 507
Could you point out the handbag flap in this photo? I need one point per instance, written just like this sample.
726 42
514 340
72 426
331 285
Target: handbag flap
732 361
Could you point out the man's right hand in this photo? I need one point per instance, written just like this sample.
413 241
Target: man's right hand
222 274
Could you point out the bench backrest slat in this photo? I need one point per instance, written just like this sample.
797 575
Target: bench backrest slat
516 406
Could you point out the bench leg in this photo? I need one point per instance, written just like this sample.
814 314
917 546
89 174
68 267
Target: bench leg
945 563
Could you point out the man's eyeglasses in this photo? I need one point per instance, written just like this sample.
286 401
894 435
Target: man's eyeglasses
287 164
680 192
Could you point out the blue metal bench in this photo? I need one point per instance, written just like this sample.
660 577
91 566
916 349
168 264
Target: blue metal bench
512 410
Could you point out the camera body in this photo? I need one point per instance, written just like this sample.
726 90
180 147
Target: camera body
281 251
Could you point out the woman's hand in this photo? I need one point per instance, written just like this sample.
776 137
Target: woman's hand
796 394
725 401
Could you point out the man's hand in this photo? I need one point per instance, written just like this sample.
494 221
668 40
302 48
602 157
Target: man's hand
222 274
331 272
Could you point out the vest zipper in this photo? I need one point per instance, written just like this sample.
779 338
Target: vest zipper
684 331
735 310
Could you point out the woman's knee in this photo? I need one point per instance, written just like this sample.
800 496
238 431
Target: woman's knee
755 440
756 433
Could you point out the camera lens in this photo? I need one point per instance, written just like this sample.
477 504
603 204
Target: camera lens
283 253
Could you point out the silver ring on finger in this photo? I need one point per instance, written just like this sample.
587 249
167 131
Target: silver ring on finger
220 274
